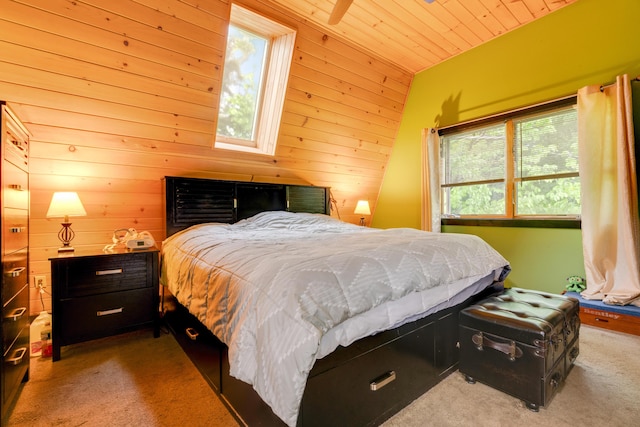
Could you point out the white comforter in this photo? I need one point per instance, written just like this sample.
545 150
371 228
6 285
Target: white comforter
270 287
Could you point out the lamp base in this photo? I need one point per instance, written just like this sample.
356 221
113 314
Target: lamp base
66 235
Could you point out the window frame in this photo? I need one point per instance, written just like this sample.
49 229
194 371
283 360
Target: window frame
510 219
273 85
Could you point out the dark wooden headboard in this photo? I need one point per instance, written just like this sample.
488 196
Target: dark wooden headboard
190 201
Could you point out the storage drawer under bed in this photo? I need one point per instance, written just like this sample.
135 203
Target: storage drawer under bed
202 347
385 377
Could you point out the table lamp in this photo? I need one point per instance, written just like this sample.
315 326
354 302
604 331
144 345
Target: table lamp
63 205
362 208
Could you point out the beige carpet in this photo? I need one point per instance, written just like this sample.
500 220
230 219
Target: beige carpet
136 380
126 380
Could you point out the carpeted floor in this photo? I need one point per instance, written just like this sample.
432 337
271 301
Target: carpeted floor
126 380
136 380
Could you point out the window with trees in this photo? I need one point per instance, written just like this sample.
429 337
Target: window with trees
520 165
256 70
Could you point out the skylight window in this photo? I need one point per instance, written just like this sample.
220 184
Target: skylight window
256 71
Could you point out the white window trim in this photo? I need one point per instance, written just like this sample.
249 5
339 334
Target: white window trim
274 86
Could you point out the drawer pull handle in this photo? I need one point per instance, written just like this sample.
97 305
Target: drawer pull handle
16 314
192 334
108 312
107 272
16 229
16 187
382 380
15 272
18 355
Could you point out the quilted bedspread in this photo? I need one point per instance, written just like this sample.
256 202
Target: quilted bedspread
271 286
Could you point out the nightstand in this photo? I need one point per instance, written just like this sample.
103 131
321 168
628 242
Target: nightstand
99 294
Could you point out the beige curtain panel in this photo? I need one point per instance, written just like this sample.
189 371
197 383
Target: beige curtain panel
430 215
610 224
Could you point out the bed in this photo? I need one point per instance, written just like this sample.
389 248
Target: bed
304 319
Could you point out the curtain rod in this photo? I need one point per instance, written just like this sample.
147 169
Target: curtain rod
603 87
564 100
561 99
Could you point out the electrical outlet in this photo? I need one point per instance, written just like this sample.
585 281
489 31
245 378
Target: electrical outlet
39 282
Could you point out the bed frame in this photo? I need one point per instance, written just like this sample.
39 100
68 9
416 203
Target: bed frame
362 384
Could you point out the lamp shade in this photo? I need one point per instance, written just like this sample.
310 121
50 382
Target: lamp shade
362 208
65 204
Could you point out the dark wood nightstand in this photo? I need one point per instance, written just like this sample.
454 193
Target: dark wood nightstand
98 294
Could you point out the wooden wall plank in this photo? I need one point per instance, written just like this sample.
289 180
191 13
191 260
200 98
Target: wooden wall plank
185 55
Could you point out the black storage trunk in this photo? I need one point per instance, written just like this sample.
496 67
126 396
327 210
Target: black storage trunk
521 342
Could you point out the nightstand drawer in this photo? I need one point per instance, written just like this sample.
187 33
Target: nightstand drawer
104 274
15 317
102 315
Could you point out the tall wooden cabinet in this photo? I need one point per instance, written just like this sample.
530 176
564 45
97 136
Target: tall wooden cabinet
14 235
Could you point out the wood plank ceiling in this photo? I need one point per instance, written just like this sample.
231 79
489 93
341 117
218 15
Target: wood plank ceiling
415 34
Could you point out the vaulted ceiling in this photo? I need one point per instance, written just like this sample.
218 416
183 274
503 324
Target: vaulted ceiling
417 34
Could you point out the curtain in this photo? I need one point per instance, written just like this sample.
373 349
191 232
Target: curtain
430 215
610 224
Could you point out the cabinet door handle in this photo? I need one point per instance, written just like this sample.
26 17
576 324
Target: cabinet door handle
107 272
17 144
108 312
15 272
192 334
17 356
16 314
16 187
16 229
382 380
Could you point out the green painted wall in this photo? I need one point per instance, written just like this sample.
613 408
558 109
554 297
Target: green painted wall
541 258
589 42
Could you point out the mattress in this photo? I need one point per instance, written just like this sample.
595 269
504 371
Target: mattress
282 290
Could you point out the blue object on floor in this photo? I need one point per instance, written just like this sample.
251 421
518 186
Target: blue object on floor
629 310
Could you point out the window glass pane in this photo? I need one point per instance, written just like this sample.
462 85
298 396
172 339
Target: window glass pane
480 199
546 144
241 85
542 147
548 197
475 155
